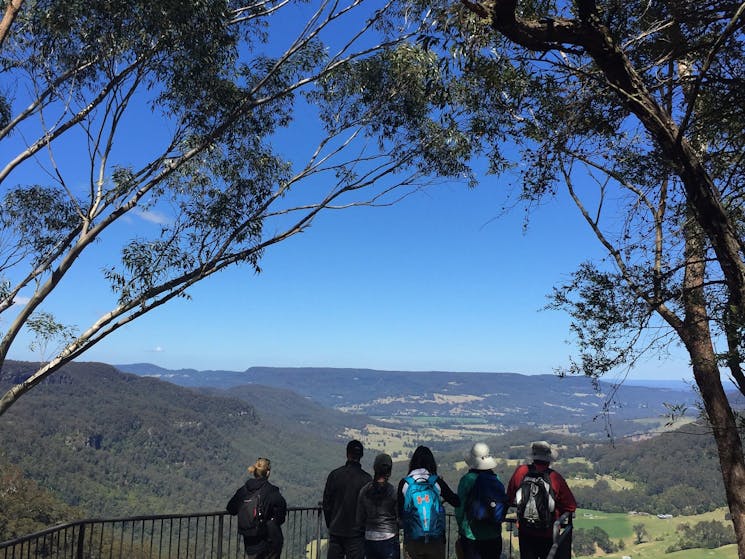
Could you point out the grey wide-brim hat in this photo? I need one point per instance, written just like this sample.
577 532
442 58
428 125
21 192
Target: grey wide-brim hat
541 450
480 458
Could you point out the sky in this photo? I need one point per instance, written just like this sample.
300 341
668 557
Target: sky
443 280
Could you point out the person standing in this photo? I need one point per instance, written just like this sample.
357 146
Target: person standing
541 496
482 506
377 512
420 496
346 537
262 537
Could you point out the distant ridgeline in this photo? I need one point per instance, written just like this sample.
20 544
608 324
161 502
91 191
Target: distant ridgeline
506 399
117 444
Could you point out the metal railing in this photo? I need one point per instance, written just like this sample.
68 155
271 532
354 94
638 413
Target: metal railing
184 536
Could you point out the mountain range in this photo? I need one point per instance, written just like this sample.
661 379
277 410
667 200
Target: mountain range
114 443
504 400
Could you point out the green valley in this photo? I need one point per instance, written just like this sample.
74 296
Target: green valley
94 441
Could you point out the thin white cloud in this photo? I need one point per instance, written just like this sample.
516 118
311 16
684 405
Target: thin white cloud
152 217
21 300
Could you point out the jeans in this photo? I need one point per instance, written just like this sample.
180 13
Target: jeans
383 549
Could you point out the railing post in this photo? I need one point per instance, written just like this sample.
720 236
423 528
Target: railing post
81 541
318 533
220 534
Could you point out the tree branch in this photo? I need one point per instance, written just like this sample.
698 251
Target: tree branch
11 11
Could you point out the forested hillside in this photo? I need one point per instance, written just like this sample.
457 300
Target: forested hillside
116 444
675 472
27 507
286 410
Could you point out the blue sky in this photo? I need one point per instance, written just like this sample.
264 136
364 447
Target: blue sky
440 281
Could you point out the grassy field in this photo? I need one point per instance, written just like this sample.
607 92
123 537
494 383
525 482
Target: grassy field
615 483
399 440
661 534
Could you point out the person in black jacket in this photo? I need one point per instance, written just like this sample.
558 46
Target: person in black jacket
267 542
346 537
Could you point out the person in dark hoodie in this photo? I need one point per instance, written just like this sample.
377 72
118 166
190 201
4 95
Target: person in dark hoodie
346 536
264 542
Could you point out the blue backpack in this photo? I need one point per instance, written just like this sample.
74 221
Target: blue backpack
487 500
423 514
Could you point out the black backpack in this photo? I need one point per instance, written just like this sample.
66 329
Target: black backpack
486 501
252 515
535 500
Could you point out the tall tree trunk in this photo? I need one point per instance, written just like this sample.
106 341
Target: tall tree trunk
696 336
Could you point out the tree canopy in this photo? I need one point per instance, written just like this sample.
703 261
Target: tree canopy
169 114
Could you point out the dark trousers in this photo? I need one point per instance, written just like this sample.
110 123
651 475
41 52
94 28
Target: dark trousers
425 550
349 548
257 548
383 549
481 549
532 547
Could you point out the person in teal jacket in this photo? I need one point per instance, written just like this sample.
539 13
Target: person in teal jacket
478 539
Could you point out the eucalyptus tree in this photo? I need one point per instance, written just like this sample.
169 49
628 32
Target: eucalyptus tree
115 114
635 110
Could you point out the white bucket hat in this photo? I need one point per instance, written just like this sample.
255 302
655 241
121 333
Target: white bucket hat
480 458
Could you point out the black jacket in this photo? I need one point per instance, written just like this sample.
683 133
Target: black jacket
377 509
274 506
340 499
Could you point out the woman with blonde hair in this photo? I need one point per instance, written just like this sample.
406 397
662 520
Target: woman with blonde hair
261 510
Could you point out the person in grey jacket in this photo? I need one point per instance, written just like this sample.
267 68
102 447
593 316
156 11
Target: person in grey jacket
377 511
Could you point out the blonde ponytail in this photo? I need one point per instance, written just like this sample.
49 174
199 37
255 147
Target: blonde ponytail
261 468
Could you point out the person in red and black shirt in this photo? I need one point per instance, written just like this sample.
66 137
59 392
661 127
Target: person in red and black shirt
536 544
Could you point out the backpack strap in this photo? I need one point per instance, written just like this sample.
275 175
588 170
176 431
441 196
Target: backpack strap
262 491
545 474
431 480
